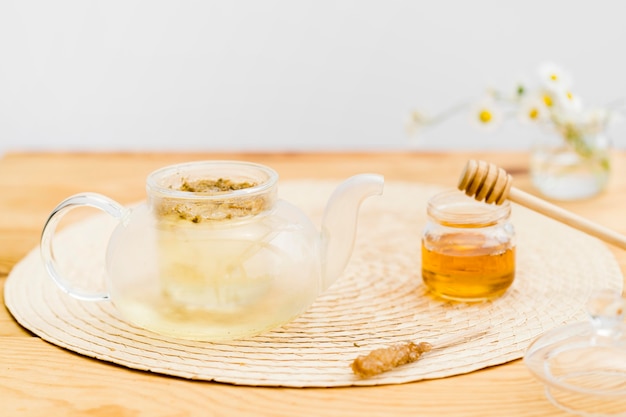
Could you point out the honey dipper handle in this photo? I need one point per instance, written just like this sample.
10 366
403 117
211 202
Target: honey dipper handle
567 217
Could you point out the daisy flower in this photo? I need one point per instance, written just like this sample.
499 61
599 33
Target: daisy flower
568 101
548 101
486 114
552 77
533 109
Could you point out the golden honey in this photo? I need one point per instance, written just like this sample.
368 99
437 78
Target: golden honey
468 248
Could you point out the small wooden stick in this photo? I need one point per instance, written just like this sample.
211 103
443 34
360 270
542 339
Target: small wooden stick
485 181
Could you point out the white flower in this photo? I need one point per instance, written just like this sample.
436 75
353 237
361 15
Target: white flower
553 78
533 109
568 101
548 101
486 114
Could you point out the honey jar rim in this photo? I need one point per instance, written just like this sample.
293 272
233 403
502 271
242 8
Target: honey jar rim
453 207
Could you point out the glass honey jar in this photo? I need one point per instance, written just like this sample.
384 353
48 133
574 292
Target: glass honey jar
468 248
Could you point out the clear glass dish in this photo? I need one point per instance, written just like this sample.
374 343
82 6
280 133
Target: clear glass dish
583 365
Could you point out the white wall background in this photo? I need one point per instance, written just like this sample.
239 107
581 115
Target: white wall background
286 75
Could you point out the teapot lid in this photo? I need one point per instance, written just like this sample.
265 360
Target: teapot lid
584 365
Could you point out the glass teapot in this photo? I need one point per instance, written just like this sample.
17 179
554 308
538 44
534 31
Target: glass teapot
213 254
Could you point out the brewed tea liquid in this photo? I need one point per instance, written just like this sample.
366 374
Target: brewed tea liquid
468 267
223 275
220 285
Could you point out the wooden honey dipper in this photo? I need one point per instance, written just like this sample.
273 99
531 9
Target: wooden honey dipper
487 182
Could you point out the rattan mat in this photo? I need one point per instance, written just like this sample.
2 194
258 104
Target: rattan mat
379 300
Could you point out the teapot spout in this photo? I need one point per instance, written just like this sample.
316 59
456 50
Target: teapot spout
340 221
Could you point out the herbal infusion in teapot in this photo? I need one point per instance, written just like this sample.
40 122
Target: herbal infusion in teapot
223 261
201 267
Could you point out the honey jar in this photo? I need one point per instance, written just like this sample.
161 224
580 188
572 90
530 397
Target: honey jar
468 248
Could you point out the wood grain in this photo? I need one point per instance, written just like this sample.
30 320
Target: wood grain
45 380
37 378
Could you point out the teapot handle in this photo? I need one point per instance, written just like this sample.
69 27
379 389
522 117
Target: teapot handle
94 200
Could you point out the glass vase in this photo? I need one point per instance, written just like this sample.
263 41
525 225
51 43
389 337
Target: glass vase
573 169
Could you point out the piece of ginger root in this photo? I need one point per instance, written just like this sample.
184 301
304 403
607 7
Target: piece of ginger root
385 359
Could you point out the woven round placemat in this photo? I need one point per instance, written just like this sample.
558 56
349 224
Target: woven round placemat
378 301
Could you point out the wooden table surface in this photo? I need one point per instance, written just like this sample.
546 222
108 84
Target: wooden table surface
38 378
